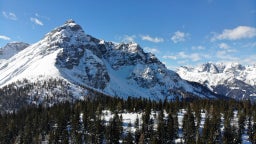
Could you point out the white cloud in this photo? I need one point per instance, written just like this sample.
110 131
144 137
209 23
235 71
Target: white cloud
127 38
152 50
183 62
170 57
151 39
225 55
198 47
179 37
182 55
250 45
249 60
36 21
9 15
239 32
224 46
194 56
3 37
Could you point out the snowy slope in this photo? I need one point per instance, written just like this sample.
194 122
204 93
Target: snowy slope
230 79
122 70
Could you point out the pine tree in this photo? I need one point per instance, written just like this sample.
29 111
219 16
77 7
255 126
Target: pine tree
229 133
170 129
137 129
241 124
250 129
100 129
115 129
206 129
128 138
161 128
146 122
189 129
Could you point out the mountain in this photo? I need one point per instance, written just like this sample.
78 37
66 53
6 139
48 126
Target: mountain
85 63
11 49
230 79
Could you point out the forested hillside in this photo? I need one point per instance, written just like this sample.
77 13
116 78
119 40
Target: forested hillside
135 120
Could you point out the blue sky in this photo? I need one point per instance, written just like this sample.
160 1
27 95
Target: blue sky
178 32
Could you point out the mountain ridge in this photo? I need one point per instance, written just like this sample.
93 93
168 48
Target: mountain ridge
230 79
122 69
10 49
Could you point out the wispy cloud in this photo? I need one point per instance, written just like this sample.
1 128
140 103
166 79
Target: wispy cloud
225 55
179 36
237 33
198 47
127 38
249 60
224 46
9 15
173 57
182 55
3 37
250 45
36 21
151 39
152 50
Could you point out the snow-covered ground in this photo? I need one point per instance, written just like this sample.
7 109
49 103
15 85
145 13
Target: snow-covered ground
131 118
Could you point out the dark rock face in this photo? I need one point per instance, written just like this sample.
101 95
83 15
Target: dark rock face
96 72
209 67
70 56
235 89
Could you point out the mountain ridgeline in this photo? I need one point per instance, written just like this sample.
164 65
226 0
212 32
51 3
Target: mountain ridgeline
230 79
11 49
84 63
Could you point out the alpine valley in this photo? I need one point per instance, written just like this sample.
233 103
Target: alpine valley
68 64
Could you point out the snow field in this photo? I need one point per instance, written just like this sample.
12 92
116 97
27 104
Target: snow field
131 118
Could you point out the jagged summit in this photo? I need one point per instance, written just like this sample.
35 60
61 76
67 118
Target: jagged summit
70 21
116 69
230 79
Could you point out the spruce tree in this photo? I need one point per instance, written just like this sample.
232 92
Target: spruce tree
115 129
170 129
129 137
161 128
189 129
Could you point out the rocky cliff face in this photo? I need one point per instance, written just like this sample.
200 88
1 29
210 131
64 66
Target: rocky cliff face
230 79
122 70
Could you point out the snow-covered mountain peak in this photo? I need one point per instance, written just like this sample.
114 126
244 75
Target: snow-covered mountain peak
122 69
208 67
215 68
70 32
234 67
11 49
219 76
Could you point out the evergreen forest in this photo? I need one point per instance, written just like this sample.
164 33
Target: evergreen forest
104 119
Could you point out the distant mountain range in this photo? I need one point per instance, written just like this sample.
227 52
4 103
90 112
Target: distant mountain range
84 62
230 79
11 49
